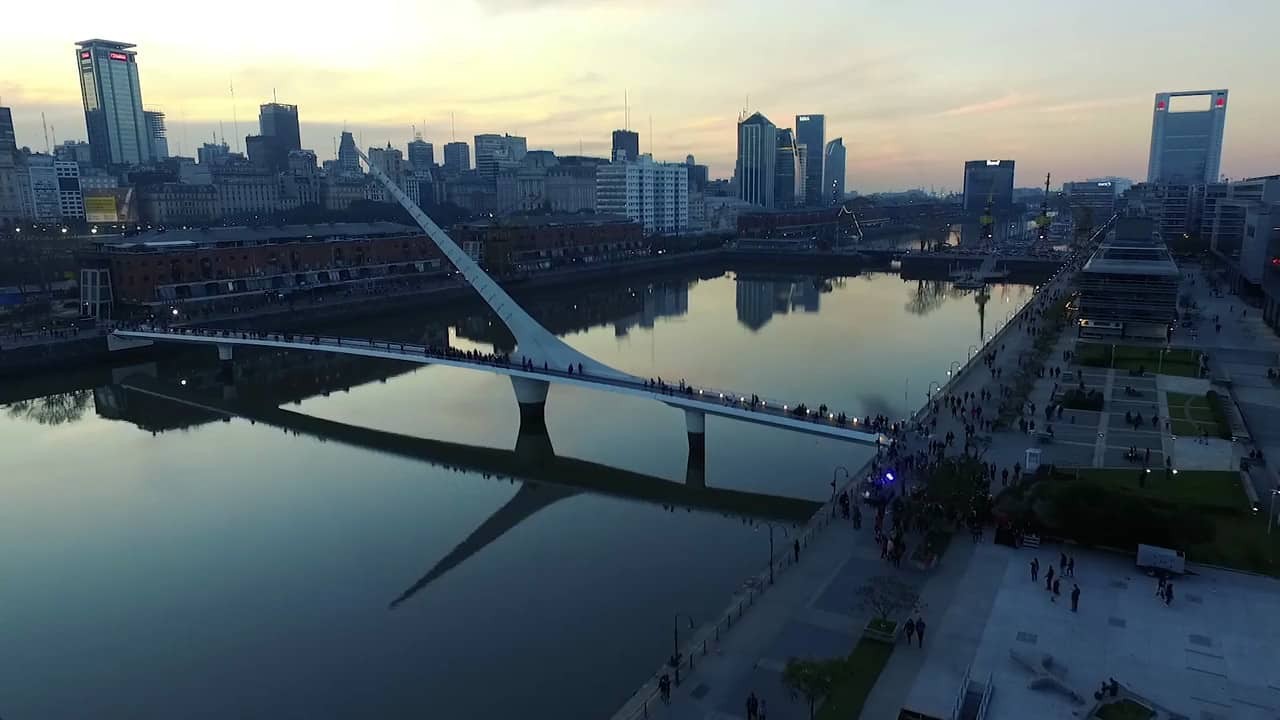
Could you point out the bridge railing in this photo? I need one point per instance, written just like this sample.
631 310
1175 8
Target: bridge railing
743 401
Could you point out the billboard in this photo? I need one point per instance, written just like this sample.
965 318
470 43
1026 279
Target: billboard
100 209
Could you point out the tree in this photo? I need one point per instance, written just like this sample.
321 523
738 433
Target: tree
812 679
885 596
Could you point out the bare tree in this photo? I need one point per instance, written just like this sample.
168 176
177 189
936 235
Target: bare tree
885 596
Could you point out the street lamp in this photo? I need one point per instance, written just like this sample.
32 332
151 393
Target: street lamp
956 364
834 471
1272 517
771 527
675 640
972 350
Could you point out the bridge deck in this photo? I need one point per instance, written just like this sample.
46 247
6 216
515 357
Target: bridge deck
711 401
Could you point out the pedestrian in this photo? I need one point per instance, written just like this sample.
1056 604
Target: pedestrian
1035 569
1057 589
664 687
1168 594
1075 598
753 707
920 626
1062 561
762 711
1071 566
911 629
1048 579
795 547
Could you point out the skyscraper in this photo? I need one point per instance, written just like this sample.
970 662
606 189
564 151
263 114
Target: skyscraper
811 131
8 139
628 143
785 166
833 159
757 157
348 156
498 152
1186 137
112 99
457 157
988 179
157 134
280 121
422 154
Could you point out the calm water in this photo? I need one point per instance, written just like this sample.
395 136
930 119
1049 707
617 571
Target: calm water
159 559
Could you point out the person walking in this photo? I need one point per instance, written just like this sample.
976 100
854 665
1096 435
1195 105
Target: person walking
1071 566
1062 562
1075 598
1035 569
795 547
910 629
753 707
1057 589
762 711
1048 579
1168 594
920 626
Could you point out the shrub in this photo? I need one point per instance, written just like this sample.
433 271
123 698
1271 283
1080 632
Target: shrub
1081 399
1219 410
1094 514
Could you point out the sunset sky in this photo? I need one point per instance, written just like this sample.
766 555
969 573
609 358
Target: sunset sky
915 87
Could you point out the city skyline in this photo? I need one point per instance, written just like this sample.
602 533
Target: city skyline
1061 92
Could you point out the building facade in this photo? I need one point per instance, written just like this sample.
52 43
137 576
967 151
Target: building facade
43 198
157 133
421 154
245 191
811 134
348 155
112 98
531 243
656 195
495 153
988 180
1186 137
786 172
833 169
457 157
1094 200
757 157
626 145
177 204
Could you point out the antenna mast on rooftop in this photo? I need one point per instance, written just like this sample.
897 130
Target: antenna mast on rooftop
235 121
45 125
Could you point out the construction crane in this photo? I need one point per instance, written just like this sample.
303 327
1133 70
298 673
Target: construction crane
1043 222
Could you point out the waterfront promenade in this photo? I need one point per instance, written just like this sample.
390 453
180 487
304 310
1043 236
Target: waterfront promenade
810 611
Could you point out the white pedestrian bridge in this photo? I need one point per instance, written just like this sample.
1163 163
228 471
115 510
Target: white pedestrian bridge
531 381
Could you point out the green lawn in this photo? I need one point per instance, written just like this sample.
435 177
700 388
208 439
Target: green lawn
1211 489
861 671
1241 542
1134 357
1124 710
1192 415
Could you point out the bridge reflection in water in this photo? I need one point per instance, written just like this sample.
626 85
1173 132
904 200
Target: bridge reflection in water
545 477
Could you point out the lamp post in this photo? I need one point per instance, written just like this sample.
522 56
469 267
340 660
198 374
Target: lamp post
954 368
1272 516
675 642
834 471
771 527
973 349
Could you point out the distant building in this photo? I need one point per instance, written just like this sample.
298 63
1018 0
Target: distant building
213 153
74 151
177 204
1097 199
757 157
457 157
244 190
833 169
157 134
988 180
787 190
656 195
811 134
626 145
1175 210
8 138
348 155
338 191
300 183
422 155
112 99
1186 139
70 194
280 122
495 153
45 200
698 175
1234 222
571 188
531 243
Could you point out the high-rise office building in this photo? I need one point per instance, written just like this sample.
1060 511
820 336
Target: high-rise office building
213 153
811 131
112 98
757 157
698 174
157 133
1186 137
457 157
656 195
280 121
495 153
8 139
988 180
422 154
1094 201
348 156
626 145
785 169
833 159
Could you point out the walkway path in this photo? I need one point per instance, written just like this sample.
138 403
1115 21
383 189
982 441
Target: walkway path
811 611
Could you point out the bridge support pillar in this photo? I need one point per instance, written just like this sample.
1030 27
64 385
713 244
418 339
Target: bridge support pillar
225 353
532 396
696 423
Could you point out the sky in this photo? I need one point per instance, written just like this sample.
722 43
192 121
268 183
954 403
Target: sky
915 87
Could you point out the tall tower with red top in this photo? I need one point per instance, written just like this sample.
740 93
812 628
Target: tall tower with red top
1186 137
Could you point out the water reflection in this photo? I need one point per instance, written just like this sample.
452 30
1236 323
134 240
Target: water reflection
759 298
55 409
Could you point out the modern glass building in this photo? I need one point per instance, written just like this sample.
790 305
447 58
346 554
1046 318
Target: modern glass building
158 134
785 167
626 145
985 179
1129 289
112 98
457 157
757 156
1186 137
811 132
833 167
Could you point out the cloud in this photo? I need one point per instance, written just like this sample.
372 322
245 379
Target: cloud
1095 104
1007 102
516 6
